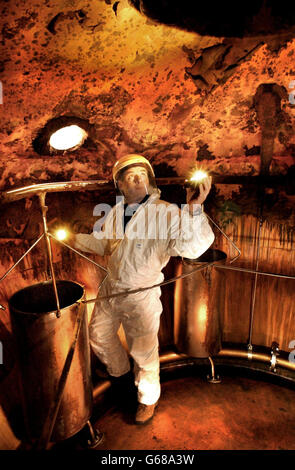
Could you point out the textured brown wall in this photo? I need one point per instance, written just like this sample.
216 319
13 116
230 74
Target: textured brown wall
174 95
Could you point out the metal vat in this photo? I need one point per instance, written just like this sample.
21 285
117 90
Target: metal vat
198 306
44 342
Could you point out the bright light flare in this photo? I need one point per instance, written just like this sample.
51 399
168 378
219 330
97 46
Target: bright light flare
61 234
67 137
198 176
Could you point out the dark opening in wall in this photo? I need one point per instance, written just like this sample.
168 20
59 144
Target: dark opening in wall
228 19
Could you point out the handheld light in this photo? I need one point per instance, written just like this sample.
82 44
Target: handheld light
195 180
61 234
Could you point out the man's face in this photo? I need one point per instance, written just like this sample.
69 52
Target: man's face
134 184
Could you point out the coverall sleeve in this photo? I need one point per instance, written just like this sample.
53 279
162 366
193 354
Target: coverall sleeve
190 235
90 244
97 241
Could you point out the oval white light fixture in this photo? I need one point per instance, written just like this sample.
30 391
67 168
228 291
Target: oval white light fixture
68 137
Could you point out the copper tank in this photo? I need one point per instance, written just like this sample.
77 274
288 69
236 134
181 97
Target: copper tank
198 306
43 345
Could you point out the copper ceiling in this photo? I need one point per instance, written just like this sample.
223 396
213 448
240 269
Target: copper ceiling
178 94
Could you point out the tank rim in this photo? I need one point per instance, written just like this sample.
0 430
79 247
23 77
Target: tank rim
37 314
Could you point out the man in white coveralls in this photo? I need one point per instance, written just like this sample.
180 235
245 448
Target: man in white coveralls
140 233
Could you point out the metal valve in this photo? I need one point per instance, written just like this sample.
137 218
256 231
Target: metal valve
275 351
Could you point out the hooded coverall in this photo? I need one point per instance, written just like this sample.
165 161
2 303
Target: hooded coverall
155 232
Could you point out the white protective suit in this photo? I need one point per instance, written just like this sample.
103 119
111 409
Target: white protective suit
155 232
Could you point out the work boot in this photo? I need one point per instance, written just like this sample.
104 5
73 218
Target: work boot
144 413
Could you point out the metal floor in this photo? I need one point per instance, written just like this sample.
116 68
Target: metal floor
240 413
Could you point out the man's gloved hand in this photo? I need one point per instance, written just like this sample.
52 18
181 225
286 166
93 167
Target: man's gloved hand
204 187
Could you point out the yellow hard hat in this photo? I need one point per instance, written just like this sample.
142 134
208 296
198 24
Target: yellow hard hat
130 159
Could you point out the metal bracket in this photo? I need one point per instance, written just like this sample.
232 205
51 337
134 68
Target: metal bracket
275 351
250 354
213 379
96 437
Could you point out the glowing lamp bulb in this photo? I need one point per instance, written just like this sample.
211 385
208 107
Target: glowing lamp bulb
61 234
67 137
198 175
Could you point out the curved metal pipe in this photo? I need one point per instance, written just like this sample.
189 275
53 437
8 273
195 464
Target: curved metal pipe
172 356
101 388
258 357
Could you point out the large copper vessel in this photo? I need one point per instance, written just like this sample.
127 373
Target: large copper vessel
44 342
198 306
